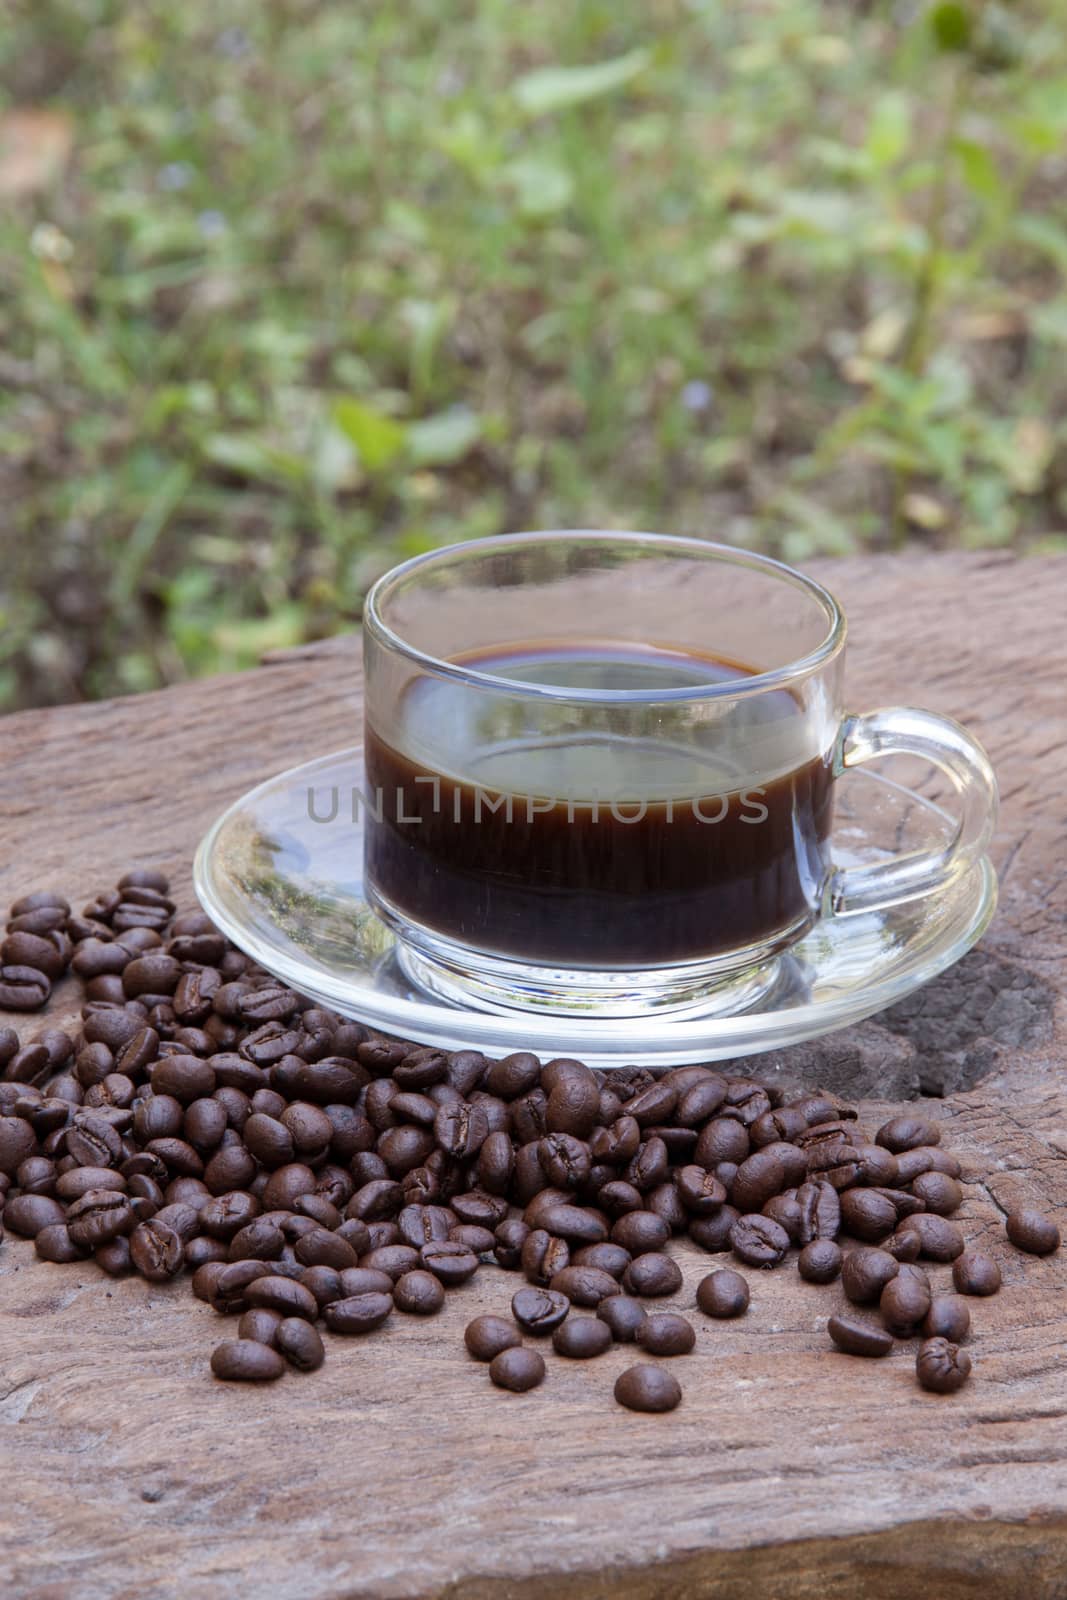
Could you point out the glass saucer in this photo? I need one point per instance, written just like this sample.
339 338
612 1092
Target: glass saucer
281 873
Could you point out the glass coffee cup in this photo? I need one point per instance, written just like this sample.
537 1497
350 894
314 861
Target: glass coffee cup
600 772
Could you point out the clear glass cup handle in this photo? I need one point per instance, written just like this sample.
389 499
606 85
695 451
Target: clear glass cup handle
903 730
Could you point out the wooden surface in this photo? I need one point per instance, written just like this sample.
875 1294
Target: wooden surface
789 1470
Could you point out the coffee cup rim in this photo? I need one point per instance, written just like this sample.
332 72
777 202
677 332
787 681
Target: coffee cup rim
776 677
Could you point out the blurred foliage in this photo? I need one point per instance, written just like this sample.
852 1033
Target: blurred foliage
290 289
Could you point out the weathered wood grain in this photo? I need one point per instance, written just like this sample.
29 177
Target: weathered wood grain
789 1470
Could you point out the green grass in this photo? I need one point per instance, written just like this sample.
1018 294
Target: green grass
324 284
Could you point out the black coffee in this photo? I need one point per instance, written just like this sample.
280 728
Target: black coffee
577 844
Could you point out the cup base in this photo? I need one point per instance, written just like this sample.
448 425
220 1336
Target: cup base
453 972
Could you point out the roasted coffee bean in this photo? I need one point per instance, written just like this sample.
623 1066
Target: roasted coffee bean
665 1333
903 1246
581 1338
698 1101
651 1275
699 1191
420 1068
54 1243
324 1283
584 1286
623 1315
146 878
618 1197
565 1160
259 1240
156 1250
392 1259
187 1078
30 1064
640 1232
539 1311
758 1241
260 1324
543 1256
37 900
938 1192
713 1233
723 1139
1027 1229
819 1261
199 1250
911 1164
647 1388
785 1210
774 1126
649 1166
820 1211
905 1301
496 1163
114 1257
942 1367
154 973
300 1343
379 1235
859 1338
616 1144
41 920
320 1248
99 1216
606 1257
419 1224
454 1264
246 1361
865 1273
868 1213
723 1294
939 1240
461 1130
573 1104
529 1117
27 1214
975 1273
483 1210
364 1280
478 1240
36 1175
418 1293
359 1313
486 1336
948 1318
654 1104
286 1295
576 1224
517 1370
515 1075
23 988
905 1133
510 1236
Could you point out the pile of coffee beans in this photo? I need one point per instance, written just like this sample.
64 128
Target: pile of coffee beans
308 1171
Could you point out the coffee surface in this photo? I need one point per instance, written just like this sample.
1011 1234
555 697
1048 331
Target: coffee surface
610 832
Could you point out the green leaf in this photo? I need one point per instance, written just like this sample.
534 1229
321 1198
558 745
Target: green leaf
952 25
133 555
980 172
438 441
554 88
255 458
541 187
889 129
379 439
